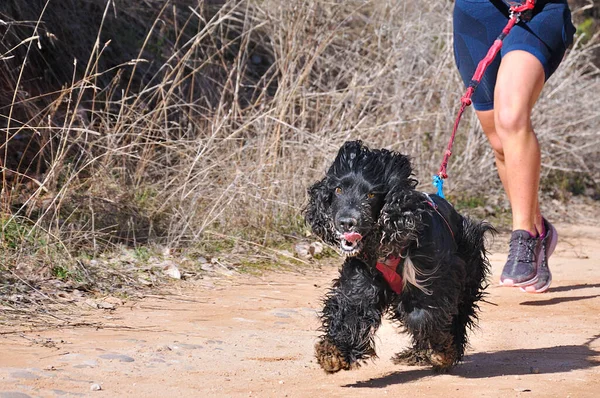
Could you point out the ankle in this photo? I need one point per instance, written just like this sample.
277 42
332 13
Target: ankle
533 234
542 227
529 226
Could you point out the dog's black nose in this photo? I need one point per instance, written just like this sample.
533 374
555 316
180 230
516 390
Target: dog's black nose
347 223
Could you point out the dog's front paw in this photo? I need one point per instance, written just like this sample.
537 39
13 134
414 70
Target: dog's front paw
329 357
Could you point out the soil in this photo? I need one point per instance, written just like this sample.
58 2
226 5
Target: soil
248 336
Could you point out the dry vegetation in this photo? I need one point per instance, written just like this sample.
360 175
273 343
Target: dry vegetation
197 125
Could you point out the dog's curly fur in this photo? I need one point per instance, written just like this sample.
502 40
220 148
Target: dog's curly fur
370 194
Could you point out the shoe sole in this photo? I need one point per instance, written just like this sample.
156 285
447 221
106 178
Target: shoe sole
510 283
551 248
540 290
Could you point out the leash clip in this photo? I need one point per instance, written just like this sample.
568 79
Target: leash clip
523 12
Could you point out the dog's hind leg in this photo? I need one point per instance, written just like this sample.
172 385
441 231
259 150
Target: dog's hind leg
351 315
443 352
438 352
431 346
429 320
413 357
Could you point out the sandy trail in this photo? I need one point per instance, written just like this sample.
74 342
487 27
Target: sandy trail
253 337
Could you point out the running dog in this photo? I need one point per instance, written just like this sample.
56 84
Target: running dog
408 253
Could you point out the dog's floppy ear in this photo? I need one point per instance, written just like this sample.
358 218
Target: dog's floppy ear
400 218
317 213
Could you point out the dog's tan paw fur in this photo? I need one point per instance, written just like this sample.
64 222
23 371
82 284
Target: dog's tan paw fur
412 357
329 357
443 361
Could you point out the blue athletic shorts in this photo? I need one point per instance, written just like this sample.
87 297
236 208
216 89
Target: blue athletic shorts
477 23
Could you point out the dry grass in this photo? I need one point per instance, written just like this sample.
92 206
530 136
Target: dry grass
177 123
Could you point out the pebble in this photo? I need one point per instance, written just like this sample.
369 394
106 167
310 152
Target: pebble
95 387
302 250
316 248
171 269
105 306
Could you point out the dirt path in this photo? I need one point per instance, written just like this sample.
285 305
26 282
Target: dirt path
253 337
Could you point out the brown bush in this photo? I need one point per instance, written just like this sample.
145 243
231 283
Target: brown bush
182 117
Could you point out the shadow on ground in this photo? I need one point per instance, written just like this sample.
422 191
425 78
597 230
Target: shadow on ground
569 288
502 363
560 300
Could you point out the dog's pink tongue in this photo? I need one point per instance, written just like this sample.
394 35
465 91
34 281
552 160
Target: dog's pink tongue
352 236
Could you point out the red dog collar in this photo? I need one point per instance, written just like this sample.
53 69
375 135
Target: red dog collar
389 269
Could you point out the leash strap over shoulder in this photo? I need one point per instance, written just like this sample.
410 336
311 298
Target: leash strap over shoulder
389 269
515 16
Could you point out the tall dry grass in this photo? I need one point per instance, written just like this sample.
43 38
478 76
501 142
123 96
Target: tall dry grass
184 122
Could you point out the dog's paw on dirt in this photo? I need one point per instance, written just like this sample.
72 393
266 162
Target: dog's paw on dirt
443 361
412 357
329 357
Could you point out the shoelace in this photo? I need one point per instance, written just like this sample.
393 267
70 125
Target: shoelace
529 251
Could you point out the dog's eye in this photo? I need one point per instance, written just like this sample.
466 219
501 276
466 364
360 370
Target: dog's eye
370 195
338 190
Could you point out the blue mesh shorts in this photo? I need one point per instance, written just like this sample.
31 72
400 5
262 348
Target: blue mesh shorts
477 23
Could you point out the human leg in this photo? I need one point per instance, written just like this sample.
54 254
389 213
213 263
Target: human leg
527 264
544 38
519 83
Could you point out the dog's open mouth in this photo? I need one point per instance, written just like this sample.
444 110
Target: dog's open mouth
350 243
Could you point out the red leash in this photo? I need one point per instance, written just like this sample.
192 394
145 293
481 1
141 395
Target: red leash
516 13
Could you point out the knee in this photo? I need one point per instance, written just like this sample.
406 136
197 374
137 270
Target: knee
510 122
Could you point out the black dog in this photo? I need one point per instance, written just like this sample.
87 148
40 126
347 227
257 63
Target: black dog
406 251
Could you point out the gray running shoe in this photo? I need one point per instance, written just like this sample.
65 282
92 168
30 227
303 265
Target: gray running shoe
544 276
521 267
